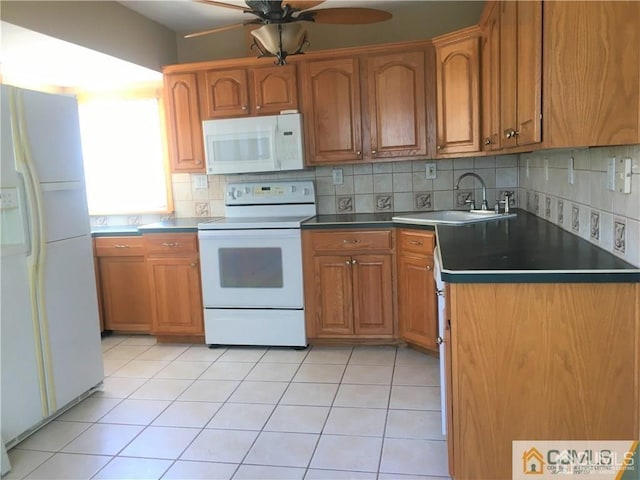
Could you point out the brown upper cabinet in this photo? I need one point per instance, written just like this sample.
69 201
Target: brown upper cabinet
365 107
244 92
592 73
184 128
520 72
490 77
458 92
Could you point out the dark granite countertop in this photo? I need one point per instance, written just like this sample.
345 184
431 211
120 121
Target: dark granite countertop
114 230
356 220
174 225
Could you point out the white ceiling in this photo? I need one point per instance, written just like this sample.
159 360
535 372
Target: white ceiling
190 16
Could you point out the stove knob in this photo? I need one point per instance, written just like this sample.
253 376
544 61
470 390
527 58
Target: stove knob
238 194
247 190
306 191
293 189
231 194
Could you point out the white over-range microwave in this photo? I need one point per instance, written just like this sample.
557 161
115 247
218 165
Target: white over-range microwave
254 144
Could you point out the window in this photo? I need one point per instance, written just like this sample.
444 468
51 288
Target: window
124 155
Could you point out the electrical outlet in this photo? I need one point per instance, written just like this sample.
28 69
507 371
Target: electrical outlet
337 176
200 182
623 175
527 169
546 169
8 198
571 172
430 171
611 173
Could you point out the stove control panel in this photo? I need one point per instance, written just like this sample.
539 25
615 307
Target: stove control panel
273 193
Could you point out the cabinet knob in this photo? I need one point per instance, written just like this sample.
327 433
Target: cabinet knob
348 262
487 141
244 107
429 267
198 162
438 147
439 340
511 133
374 152
194 264
359 153
258 107
353 262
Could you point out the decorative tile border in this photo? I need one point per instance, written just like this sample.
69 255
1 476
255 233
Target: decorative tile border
423 201
384 203
619 235
595 225
345 204
575 218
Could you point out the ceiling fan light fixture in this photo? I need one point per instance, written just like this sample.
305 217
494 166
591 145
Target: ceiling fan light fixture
280 40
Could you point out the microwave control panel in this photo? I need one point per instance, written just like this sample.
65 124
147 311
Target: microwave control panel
270 193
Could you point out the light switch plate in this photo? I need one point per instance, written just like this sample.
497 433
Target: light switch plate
200 182
611 173
623 175
571 172
546 169
430 171
338 179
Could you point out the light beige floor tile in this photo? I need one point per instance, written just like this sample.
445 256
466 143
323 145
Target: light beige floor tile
103 439
187 414
66 466
341 452
161 389
397 476
209 391
367 396
282 449
148 340
356 421
418 457
228 446
183 470
201 353
319 394
378 355
243 354
415 398
319 373
427 375
241 416
112 365
227 371
122 468
183 370
273 372
161 442
54 436
258 392
126 352
90 409
329 355
368 374
418 424
297 418
112 341
135 412
409 356
119 387
253 472
284 355
24 462
163 352
315 474
140 368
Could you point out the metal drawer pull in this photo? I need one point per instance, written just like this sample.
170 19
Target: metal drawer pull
170 244
429 268
439 340
120 246
350 241
415 242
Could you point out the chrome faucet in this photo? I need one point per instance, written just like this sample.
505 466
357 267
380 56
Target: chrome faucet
485 205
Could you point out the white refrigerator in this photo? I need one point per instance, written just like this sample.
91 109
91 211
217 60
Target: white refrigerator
50 355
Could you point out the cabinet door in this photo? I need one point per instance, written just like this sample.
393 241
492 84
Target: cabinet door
458 95
331 92
224 93
372 295
417 309
508 72
184 128
490 61
124 293
177 300
274 89
332 289
396 93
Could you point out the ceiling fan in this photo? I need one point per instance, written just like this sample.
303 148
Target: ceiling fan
281 33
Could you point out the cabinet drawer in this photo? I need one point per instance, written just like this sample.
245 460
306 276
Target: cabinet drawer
416 242
351 240
169 244
119 246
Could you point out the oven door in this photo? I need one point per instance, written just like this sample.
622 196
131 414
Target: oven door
251 268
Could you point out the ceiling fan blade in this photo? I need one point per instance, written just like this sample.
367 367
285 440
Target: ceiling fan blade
215 30
302 4
349 16
222 4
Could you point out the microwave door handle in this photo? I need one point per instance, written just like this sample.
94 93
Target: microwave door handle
277 145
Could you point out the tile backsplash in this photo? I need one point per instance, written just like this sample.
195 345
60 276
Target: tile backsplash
586 207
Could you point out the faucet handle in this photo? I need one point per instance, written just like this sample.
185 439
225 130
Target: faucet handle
471 202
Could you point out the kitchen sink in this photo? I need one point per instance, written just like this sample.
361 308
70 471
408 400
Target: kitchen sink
451 217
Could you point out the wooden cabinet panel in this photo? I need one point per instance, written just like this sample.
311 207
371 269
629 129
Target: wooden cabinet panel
592 73
349 241
373 295
397 117
118 246
331 93
274 89
333 296
490 63
171 243
184 128
458 94
177 298
418 242
224 93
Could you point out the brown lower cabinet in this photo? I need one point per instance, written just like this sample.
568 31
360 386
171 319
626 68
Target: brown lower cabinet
123 288
348 278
